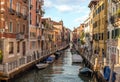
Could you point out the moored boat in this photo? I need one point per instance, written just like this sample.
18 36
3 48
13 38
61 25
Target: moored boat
76 58
86 72
50 59
42 65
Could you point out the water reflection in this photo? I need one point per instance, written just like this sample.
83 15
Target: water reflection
62 70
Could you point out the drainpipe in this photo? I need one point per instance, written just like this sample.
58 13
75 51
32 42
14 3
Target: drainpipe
29 3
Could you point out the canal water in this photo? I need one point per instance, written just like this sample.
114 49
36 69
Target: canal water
62 70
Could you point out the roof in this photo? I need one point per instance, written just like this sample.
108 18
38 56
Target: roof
56 23
93 2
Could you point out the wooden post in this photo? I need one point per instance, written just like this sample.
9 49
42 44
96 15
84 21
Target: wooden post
112 70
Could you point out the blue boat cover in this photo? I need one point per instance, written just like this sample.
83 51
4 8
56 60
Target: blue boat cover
49 59
107 74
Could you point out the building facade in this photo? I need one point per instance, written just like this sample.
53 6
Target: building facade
113 39
87 33
48 34
58 32
99 10
35 26
13 30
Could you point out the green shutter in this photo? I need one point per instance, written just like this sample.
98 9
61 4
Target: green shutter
119 32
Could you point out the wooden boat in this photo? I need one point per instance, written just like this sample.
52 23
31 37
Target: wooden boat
57 55
41 65
86 72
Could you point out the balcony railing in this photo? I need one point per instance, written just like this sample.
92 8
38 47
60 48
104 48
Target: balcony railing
20 36
12 12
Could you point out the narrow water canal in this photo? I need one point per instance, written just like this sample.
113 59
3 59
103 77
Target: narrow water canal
62 70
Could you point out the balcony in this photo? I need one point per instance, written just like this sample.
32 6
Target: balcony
25 1
39 12
18 14
115 19
20 36
12 12
42 12
115 1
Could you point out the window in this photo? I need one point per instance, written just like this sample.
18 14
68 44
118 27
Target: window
18 28
96 12
102 36
99 35
18 47
24 29
30 18
102 6
24 10
117 33
11 47
37 19
18 7
11 1
10 27
108 35
33 44
113 34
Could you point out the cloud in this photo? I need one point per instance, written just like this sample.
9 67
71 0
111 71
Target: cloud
66 5
72 12
48 4
64 8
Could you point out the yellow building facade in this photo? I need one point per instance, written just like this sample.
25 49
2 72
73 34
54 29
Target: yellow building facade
99 23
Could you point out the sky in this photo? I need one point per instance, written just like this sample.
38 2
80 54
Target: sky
72 12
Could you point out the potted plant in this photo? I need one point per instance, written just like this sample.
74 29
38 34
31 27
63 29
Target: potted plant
118 13
1 56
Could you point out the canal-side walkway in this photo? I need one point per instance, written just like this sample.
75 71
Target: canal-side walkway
62 70
9 70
